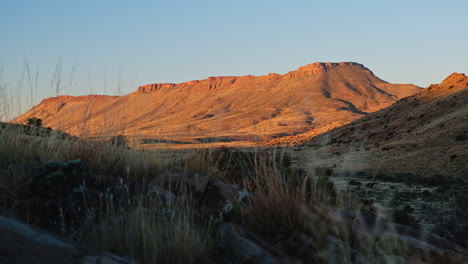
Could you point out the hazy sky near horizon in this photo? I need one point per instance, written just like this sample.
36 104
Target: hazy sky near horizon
114 46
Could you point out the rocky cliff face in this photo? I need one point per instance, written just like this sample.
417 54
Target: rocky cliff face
214 82
227 110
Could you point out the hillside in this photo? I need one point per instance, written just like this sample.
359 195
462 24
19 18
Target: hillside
423 134
229 110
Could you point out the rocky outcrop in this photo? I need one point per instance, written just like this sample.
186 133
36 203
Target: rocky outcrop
154 87
61 195
454 83
58 193
215 82
459 79
213 198
321 67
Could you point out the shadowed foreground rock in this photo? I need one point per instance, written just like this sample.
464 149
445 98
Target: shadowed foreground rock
62 194
21 243
212 197
242 245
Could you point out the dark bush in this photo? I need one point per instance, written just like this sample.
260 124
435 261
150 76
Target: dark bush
34 121
461 138
355 183
403 217
119 140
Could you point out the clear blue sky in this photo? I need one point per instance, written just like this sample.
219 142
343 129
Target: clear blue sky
112 46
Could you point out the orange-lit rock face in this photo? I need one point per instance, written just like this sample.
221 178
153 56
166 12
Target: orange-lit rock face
154 87
453 83
227 109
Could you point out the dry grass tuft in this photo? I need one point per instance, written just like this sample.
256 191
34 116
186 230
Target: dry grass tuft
153 235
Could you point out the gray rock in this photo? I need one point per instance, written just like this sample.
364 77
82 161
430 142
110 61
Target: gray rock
27 232
21 243
219 199
392 259
235 241
183 183
59 194
163 195
214 198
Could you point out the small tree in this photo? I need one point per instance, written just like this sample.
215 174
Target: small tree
34 121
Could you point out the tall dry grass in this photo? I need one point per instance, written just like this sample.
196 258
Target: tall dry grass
152 234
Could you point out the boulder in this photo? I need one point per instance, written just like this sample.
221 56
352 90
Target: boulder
239 246
183 183
59 193
220 199
64 194
21 243
214 198
57 180
165 197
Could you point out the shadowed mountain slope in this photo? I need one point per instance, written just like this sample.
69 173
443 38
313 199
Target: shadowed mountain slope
423 134
233 110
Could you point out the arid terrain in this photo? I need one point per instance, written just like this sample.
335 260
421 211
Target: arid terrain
229 110
233 132
331 165
423 134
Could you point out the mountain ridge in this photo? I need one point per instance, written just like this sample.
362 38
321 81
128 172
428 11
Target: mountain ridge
307 70
317 96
